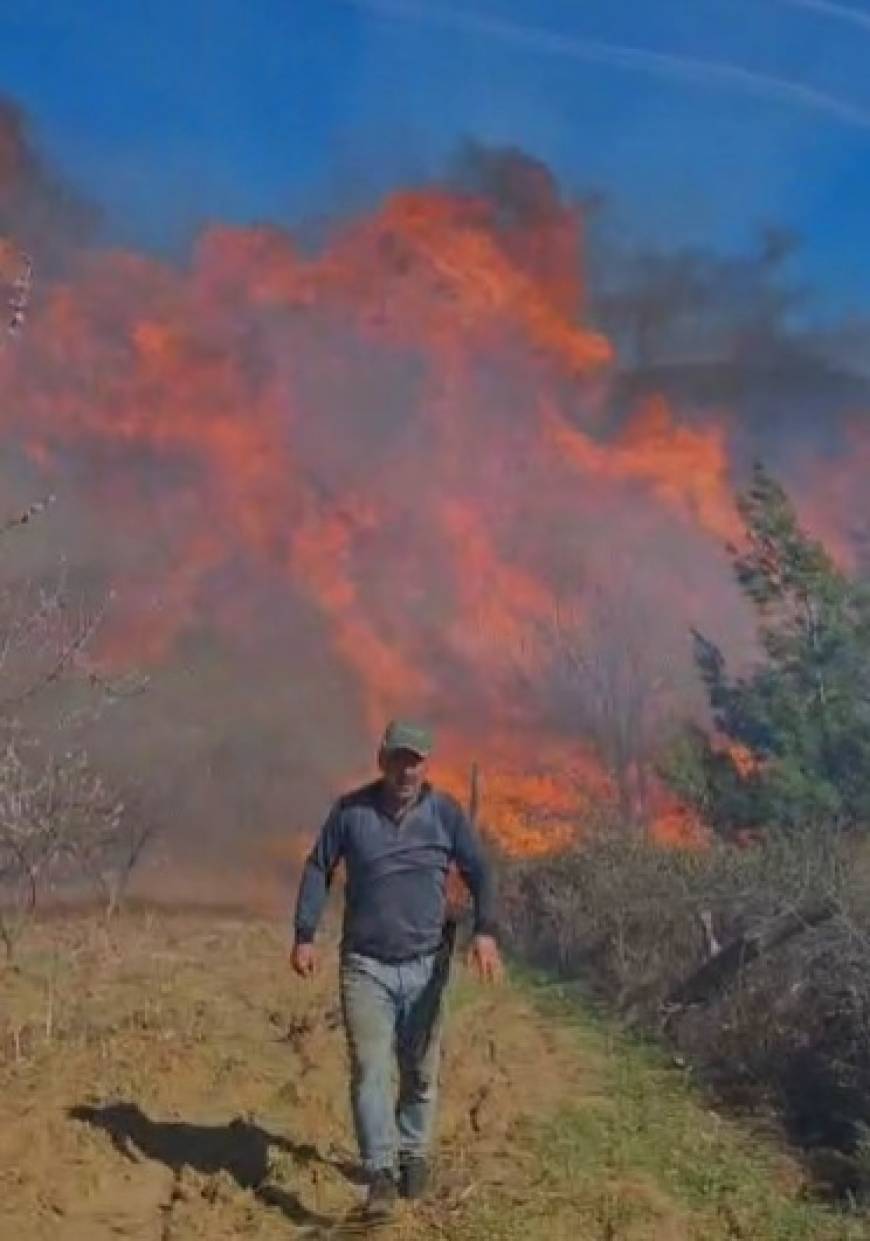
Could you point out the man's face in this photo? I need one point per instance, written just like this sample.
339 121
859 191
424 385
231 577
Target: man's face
404 773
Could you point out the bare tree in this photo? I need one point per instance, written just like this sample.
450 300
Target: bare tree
613 676
50 808
110 847
59 819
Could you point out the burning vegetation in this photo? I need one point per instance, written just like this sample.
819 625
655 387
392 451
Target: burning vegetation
377 477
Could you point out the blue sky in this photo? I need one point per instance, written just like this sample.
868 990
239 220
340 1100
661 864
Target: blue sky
702 118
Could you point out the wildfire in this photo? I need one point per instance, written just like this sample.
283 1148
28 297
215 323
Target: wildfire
745 763
687 468
401 437
529 807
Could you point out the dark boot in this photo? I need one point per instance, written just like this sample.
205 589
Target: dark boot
383 1193
413 1176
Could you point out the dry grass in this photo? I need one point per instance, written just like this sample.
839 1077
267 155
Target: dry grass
168 1079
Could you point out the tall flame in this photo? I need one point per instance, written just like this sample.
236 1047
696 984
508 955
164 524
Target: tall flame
407 436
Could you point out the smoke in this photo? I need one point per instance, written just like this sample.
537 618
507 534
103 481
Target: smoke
44 215
718 335
327 488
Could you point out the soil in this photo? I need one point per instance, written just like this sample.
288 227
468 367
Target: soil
169 1078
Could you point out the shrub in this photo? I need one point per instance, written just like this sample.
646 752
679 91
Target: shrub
790 1030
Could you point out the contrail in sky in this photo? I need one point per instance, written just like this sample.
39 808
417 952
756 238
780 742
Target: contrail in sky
827 8
668 64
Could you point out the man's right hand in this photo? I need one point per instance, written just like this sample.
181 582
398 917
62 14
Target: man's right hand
304 960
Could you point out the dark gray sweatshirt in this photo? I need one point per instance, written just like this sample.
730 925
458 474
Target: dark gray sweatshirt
396 873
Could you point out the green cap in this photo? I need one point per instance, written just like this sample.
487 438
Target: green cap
403 735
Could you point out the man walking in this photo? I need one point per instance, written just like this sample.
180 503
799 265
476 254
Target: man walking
397 838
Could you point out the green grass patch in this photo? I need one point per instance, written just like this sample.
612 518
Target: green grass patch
640 1156
646 1147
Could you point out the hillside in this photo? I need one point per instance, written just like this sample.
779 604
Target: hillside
169 1079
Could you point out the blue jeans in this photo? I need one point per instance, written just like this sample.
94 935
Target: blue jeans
393 1016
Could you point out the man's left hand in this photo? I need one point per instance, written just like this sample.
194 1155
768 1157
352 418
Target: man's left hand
486 959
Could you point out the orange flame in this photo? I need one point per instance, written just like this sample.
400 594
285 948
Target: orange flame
388 434
687 468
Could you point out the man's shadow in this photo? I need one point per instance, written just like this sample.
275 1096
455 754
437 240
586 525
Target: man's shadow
238 1148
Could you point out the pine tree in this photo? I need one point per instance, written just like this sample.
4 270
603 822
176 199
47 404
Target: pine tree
792 740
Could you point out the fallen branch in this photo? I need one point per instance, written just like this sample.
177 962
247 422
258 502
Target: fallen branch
718 970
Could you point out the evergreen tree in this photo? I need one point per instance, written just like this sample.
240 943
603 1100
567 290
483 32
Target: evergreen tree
792 742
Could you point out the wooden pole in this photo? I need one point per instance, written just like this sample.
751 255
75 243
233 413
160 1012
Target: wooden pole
474 793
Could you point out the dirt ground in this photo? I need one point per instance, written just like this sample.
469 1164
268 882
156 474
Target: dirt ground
170 1079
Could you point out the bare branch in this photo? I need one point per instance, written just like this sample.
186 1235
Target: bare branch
71 649
25 516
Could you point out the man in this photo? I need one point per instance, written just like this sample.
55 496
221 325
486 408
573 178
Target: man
397 837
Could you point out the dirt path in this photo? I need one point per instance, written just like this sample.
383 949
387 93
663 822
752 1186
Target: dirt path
171 1080
175 1081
